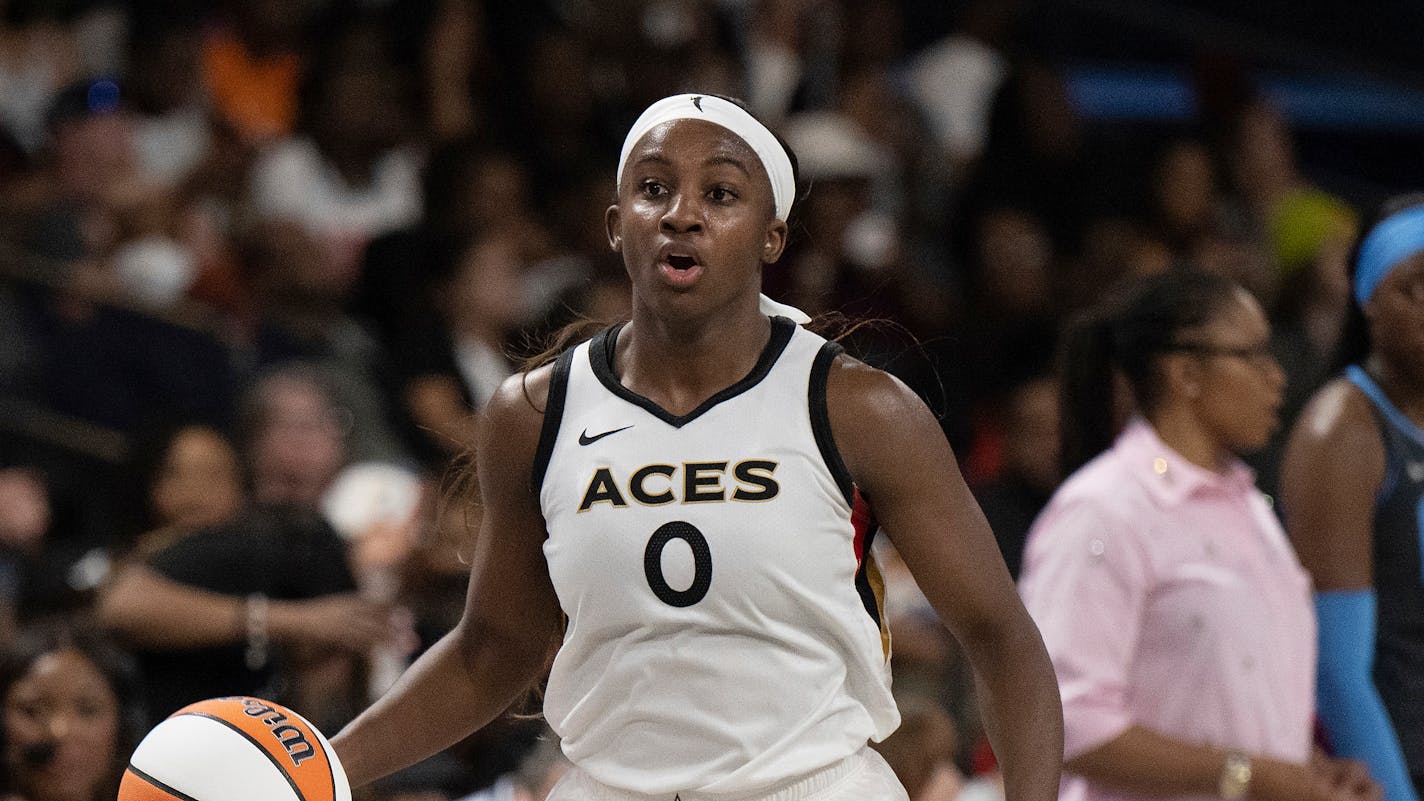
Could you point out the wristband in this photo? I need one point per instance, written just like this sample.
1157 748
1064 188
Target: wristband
257 640
1235 776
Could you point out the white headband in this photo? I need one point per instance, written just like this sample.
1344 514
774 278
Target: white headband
735 119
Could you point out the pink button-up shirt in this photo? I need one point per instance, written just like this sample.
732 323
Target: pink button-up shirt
1169 598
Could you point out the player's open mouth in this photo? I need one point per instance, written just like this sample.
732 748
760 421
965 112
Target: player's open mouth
679 266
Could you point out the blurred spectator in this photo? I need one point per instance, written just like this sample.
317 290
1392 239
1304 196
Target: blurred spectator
38 55
1028 471
793 48
72 713
559 122
252 66
294 432
913 184
171 134
297 441
468 188
299 316
348 174
453 373
294 435
1190 216
1264 171
1038 158
849 259
297 437
1301 222
192 479
955 79
24 521
106 227
91 171
1307 233
459 70
263 605
1011 316
53 553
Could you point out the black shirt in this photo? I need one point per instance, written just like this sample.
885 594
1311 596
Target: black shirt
282 553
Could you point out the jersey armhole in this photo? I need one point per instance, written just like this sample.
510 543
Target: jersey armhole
821 420
553 416
1387 419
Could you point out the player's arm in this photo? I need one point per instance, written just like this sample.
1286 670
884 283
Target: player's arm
149 610
899 458
1333 466
511 616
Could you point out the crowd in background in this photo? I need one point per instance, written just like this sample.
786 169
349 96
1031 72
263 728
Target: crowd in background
261 261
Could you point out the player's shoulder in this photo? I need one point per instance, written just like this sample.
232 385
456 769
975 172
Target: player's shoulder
1339 415
876 420
855 387
517 408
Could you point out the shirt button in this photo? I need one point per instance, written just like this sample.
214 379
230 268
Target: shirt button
1159 466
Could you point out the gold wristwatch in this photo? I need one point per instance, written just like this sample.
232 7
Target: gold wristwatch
1235 776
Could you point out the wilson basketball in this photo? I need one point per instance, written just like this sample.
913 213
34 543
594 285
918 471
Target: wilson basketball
234 749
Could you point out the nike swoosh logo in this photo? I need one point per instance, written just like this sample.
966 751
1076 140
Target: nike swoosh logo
585 439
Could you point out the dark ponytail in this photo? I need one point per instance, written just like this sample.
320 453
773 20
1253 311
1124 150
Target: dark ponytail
1125 335
1085 395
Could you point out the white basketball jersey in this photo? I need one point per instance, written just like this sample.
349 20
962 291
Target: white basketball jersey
724 627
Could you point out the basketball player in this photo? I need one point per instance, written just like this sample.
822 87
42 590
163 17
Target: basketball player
1353 490
689 499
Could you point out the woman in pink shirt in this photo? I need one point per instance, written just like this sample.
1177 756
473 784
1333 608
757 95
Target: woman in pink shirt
1178 618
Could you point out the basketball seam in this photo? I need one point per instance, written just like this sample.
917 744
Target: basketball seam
325 750
160 785
270 758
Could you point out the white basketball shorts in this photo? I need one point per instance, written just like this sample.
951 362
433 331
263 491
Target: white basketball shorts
862 776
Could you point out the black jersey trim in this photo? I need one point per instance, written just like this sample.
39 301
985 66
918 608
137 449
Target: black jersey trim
821 419
600 358
553 416
862 573
176 793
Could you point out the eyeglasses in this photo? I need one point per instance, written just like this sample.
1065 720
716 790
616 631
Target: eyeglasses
1256 355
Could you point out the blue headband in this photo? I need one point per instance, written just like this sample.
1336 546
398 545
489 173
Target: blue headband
1395 239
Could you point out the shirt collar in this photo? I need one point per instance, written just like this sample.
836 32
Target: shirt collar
1168 475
